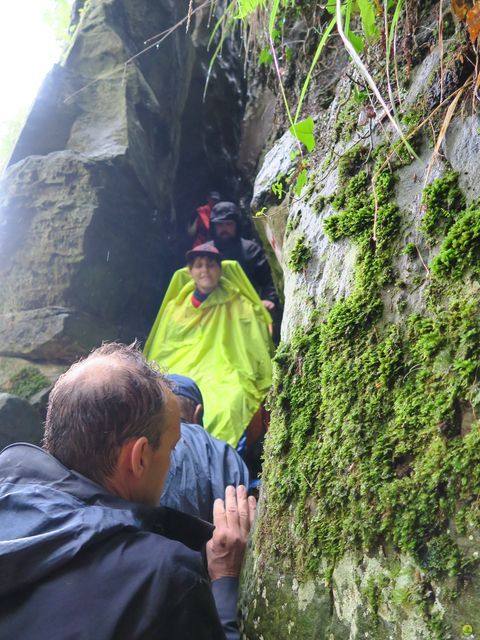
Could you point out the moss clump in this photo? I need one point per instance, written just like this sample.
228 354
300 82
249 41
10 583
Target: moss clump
373 593
319 204
350 163
26 382
357 205
293 223
460 250
443 200
410 250
300 255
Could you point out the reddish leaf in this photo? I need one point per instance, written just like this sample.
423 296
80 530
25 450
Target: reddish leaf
460 8
473 21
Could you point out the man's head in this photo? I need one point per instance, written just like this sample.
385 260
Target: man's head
225 220
189 398
205 266
113 418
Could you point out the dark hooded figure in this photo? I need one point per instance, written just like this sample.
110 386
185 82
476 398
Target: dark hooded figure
225 222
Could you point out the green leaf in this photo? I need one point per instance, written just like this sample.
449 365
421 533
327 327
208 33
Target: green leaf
277 187
393 26
265 57
367 12
246 7
359 95
331 7
300 182
356 41
319 50
303 131
272 18
276 35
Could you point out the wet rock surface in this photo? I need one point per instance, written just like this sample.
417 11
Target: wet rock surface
94 202
19 421
292 585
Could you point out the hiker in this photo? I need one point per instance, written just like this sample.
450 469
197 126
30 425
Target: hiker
212 327
201 466
200 222
85 552
225 223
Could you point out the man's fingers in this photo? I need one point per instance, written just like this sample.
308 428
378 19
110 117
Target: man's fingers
243 513
252 509
231 507
219 515
237 513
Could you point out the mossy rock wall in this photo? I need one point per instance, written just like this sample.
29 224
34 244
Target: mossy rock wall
369 512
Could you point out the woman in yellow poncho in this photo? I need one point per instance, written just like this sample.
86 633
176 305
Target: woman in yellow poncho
213 327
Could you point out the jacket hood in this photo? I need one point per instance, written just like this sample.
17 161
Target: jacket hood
222 212
225 211
50 513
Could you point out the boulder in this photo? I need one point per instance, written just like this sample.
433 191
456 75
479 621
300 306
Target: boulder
19 421
86 206
39 401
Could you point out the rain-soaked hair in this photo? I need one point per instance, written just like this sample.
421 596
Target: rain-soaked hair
94 410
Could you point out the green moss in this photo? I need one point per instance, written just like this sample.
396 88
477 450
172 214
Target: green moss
300 255
373 593
443 200
357 204
26 382
366 436
410 250
319 204
293 223
460 250
350 163
347 119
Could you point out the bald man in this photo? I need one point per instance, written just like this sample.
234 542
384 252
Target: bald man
84 550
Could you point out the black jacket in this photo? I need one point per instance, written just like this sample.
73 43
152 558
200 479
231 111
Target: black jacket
79 563
253 261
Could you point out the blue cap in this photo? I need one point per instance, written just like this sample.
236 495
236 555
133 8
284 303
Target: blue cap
186 387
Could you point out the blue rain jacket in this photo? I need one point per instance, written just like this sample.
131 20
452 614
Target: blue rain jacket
201 467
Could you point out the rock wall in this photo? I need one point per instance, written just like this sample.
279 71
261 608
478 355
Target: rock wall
94 202
368 524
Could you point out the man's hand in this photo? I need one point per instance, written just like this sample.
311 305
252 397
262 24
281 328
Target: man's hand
268 304
232 521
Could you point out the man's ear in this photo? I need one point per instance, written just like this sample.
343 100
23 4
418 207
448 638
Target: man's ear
198 414
139 456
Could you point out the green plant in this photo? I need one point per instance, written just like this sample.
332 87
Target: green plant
26 382
300 255
461 247
442 200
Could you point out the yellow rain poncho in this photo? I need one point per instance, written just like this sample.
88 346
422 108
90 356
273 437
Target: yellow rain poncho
224 345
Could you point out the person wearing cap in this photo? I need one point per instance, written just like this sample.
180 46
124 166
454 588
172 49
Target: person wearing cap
213 327
225 221
200 222
201 466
